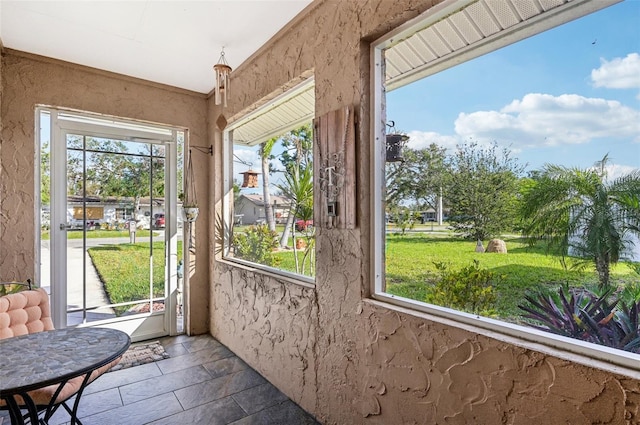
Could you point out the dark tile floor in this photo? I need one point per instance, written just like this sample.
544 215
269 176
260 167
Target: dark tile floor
202 383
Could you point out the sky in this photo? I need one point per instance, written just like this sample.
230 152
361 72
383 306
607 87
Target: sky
567 96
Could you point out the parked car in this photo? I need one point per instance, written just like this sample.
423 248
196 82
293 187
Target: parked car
79 224
302 225
158 220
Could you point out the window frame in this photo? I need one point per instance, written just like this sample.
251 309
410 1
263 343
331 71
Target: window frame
527 337
228 197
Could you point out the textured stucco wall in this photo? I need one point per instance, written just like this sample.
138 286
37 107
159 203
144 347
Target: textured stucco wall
1 220
29 80
350 360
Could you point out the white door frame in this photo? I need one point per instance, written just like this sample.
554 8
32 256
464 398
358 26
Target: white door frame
64 122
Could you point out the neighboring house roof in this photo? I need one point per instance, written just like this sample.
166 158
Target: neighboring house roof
259 201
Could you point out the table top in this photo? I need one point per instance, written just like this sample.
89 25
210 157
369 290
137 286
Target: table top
36 360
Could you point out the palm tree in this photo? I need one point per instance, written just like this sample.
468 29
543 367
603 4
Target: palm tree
298 147
582 212
298 187
265 154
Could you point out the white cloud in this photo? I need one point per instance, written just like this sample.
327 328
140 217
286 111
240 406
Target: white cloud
422 139
551 120
242 159
619 73
615 171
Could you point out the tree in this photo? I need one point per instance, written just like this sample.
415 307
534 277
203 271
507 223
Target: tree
582 212
298 153
108 168
265 155
298 187
298 147
418 179
114 171
45 174
481 188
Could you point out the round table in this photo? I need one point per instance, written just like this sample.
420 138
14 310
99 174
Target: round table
37 360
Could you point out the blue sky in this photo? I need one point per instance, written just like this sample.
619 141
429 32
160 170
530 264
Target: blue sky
569 95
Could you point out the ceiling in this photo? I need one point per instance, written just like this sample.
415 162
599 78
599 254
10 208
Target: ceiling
169 42
178 42
284 113
456 31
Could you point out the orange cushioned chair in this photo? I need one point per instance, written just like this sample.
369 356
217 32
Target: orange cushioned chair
28 312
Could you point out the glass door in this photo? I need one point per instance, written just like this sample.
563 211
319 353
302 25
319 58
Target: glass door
114 244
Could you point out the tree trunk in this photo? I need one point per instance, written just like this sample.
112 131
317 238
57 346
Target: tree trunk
440 212
602 267
287 229
266 196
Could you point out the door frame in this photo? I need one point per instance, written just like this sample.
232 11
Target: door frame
63 122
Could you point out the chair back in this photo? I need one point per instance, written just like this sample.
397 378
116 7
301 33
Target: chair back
24 313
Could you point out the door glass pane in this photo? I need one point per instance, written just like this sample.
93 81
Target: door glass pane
115 240
45 201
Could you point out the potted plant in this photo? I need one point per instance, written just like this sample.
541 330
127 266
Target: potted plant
189 203
190 212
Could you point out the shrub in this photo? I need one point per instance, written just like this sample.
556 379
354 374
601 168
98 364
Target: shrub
601 319
468 289
256 244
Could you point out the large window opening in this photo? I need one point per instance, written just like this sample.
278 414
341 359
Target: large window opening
270 176
511 171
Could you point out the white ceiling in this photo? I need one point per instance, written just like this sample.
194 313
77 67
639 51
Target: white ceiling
170 42
450 34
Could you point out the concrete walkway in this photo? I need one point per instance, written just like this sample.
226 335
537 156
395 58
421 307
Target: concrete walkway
95 295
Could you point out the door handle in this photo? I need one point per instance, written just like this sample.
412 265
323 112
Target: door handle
65 226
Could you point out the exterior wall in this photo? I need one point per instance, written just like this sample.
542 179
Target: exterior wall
29 80
348 359
250 212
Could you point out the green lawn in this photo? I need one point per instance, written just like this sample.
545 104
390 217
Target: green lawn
286 261
125 270
410 268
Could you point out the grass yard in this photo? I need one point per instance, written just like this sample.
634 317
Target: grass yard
410 268
125 269
286 261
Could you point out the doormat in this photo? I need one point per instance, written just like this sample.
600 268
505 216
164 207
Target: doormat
141 354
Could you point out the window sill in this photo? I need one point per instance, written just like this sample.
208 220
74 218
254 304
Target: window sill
307 282
587 354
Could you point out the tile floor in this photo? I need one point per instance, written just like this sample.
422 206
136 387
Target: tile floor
202 383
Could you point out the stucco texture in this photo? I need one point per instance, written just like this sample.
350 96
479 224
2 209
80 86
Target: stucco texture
28 81
347 359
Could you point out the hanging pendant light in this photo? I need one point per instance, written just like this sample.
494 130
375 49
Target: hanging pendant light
222 70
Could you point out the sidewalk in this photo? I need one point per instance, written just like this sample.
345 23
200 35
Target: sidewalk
95 294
